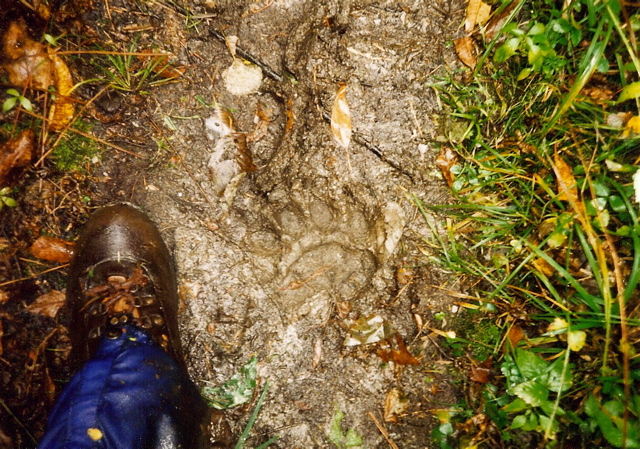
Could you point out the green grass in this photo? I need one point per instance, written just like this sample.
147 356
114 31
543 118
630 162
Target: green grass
545 225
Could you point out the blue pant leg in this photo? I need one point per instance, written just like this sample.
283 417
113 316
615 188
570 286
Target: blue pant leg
131 394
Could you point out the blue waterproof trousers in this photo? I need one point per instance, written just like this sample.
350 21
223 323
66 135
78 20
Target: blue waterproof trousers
130 394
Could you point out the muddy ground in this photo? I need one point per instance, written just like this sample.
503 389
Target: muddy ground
314 238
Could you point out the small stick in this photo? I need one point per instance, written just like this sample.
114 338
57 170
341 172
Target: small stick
34 275
383 431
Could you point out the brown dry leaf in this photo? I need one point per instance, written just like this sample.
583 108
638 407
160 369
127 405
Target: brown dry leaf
290 117
395 404
232 44
48 304
465 51
52 249
567 185
496 23
317 354
4 297
482 372
400 356
341 118
477 14
261 120
515 335
16 153
27 62
31 64
445 160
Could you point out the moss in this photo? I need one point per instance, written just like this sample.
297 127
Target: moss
74 150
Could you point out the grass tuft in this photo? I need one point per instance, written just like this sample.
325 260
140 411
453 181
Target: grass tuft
545 224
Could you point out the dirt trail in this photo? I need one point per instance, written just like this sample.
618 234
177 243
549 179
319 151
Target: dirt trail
317 236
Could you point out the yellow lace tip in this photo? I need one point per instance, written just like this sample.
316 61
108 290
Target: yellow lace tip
94 434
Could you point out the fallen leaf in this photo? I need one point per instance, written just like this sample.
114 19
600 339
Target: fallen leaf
567 184
242 77
341 118
477 14
14 154
543 267
482 373
288 112
465 51
231 43
31 64
368 329
497 22
52 249
632 127
558 324
400 356
395 404
317 354
48 304
445 160
576 340
27 62
515 335
61 110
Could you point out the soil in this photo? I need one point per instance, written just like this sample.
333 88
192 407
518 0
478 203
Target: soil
316 237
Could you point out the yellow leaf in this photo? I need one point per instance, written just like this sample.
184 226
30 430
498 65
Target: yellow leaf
477 14
341 118
630 91
557 325
576 340
633 125
465 51
567 186
62 109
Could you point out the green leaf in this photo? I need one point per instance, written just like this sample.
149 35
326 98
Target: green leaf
335 431
630 91
236 391
524 73
518 422
537 28
352 439
9 201
517 405
8 104
617 203
26 104
529 364
13 92
531 392
506 50
555 381
603 65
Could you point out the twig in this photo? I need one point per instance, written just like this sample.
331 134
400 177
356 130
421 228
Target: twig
88 136
383 431
249 57
14 281
8 410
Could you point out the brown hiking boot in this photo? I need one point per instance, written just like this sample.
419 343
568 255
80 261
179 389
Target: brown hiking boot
122 273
